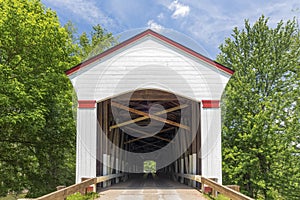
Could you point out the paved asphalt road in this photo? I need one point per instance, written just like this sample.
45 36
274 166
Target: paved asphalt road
150 188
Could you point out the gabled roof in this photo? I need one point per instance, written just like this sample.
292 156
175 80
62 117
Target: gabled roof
157 36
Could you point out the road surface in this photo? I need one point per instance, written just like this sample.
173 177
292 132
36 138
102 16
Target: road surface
150 188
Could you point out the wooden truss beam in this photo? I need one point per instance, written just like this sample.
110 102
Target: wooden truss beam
145 133
146 116
148 143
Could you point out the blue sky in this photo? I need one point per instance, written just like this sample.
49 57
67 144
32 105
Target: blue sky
206 22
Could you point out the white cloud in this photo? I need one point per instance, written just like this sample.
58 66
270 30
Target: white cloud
212 23
161 16
209 22
280 11
179 10
84 9
155 26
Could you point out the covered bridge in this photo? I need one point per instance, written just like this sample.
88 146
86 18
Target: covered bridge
149 98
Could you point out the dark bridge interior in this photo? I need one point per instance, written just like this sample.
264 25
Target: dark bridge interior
148 121
165 104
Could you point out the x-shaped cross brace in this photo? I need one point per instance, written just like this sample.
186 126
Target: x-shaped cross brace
147 116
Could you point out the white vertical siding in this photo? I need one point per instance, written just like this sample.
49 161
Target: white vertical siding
211 156
86 143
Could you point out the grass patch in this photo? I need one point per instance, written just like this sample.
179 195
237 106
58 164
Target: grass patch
79 196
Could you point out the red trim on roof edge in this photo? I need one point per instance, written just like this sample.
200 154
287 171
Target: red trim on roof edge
141 35
86 103
210 104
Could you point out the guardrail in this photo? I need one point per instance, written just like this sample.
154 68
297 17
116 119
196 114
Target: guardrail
228 192
79 187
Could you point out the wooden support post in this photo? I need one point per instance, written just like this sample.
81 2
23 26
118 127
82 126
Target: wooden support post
214 191
99 152
181 169
122 146
123 168
186 153
104 168
176 166
197 116
108 168
117 152
194 167
117 169
95 187
194 128
202 187
105 142
190 168
186 162
177 149
110 136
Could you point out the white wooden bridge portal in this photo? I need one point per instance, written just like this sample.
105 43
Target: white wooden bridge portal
149 98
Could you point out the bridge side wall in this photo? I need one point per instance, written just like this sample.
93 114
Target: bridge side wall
211 157
86 143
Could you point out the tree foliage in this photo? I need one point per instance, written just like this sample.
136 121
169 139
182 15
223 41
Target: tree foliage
90 45
37 132
149 166
261 110
99 41
37 126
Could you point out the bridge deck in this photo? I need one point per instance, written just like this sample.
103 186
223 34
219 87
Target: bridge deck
150 188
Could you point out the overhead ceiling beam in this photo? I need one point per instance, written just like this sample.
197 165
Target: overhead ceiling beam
145 133
148 143
150 95
146 116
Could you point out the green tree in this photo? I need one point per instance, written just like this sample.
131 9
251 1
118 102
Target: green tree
149 166
261 110
89 45
95 43
37 131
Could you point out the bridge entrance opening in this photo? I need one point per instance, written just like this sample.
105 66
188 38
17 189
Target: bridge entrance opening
150 130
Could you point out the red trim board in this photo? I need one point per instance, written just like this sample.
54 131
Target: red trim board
210 104
86 103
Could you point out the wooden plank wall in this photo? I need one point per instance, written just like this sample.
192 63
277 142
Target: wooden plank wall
110 159
190 161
